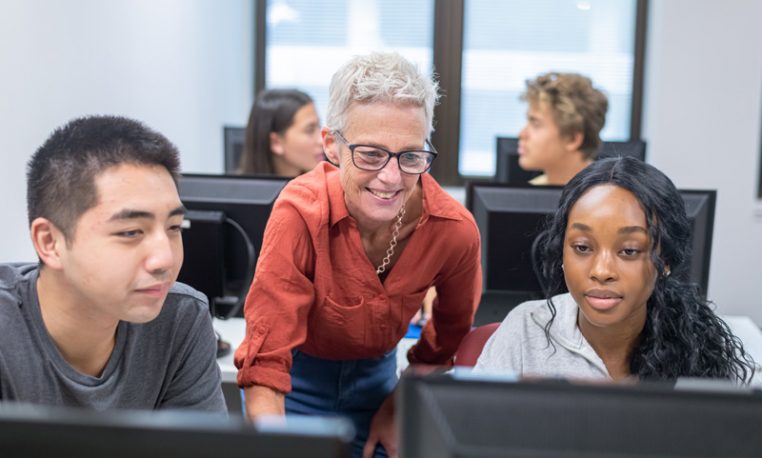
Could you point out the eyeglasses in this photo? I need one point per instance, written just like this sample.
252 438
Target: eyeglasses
372 158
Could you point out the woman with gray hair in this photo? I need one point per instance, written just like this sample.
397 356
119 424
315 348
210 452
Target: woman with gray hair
350 250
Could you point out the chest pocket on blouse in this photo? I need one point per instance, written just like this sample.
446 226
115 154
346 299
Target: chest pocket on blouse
344 323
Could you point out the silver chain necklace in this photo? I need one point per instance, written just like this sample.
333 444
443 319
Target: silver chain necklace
390 251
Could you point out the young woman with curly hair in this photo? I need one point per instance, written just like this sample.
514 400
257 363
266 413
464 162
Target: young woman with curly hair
619 242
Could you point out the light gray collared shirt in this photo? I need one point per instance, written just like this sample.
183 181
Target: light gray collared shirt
520 345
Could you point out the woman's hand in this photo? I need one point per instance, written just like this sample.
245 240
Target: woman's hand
383 430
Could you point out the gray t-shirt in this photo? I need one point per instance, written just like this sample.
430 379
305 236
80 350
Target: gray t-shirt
519 345
167 363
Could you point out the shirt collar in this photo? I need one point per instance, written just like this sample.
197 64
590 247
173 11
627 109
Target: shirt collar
338 207
565 331
564 328
437 202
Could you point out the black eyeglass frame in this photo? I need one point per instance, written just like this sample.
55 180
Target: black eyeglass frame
389 156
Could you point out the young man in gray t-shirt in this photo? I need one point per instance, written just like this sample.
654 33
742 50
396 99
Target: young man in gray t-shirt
100 321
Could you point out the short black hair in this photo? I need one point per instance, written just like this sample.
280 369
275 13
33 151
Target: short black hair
61 173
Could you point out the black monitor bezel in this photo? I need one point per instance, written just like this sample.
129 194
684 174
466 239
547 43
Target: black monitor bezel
709 194
233 140
507 169
607 415
232 206
470 192
43 431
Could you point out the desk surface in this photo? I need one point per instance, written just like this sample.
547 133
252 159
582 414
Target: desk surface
233 331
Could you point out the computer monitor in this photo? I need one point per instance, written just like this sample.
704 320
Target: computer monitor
37 432
509 218
508 170
233 138
479 416
226 223
700 205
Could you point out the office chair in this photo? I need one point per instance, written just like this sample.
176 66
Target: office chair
471 346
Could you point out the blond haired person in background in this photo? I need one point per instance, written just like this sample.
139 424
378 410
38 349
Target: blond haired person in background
564 119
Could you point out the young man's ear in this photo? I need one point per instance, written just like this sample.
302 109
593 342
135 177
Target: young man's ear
276 144
330 146
48 242
574 141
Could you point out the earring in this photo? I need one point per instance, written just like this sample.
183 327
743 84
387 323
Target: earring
667 272
562 266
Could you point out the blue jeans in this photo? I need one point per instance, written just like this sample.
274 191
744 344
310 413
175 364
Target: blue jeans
353 389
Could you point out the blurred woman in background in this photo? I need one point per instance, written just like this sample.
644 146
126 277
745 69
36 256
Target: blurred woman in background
283 135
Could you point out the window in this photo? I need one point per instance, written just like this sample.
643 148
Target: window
508 42
306 41
484 51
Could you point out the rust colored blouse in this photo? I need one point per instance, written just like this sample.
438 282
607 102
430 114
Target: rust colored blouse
316 290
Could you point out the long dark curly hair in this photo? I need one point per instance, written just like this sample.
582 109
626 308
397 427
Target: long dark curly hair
682 336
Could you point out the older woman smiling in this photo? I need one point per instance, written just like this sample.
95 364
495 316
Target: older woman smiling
349 253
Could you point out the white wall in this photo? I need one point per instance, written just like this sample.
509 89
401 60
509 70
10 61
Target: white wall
702 123
184 67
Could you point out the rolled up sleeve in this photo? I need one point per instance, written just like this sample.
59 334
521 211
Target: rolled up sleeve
278 302
458 295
